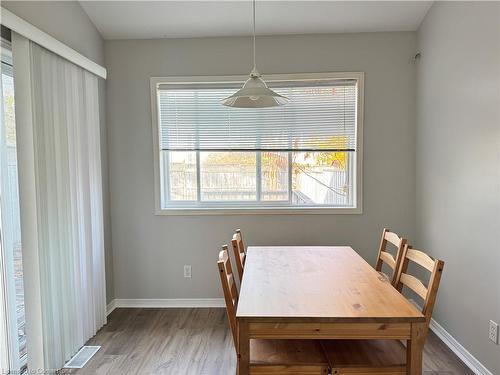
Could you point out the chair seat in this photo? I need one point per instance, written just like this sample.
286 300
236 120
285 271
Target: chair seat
287 353
365 356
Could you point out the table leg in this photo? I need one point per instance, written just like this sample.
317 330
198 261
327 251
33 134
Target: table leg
243 349
414 349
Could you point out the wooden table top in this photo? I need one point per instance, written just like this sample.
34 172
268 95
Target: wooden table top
329 284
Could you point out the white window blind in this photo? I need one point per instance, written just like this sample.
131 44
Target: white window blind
321 116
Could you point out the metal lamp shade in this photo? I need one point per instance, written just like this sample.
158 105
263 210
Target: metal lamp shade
254 94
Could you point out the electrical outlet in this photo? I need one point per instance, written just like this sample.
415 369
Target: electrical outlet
187 271
493 331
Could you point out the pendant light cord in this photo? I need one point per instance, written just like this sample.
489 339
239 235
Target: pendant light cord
254 65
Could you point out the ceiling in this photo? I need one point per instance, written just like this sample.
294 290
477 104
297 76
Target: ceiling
185 19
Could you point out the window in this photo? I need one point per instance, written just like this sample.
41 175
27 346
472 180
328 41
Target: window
304 155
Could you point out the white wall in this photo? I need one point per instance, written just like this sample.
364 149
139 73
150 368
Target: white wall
149 251
458 166
67 22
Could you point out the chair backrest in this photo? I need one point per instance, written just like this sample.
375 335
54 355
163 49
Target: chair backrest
427 293
385 257
229 288
239 252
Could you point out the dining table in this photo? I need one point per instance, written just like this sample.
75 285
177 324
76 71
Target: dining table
322 292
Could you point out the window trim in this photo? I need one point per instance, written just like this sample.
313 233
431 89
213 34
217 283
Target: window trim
269 210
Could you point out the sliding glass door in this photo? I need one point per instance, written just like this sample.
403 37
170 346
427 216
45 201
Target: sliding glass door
13 317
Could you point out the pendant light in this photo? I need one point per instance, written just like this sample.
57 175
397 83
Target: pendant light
254 93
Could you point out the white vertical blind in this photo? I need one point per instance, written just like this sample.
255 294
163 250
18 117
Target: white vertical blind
10 232
69 221
4 303
321 116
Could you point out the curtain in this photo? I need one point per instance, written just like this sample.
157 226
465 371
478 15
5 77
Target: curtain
69 214
4 245
10 228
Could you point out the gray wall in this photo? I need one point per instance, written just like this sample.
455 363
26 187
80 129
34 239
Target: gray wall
67 22
149 251
64 20
458 168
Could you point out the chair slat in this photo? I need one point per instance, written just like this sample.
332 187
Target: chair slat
421 258
414 284
393 238
388 259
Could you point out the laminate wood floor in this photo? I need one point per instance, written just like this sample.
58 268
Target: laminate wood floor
196 342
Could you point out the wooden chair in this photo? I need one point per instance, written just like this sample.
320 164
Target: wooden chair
427 293
239 252
387 357
385 257
268 357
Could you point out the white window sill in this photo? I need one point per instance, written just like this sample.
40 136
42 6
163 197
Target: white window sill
259 211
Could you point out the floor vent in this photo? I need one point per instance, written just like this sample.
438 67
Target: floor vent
81 358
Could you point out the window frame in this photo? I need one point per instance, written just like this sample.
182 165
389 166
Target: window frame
225 208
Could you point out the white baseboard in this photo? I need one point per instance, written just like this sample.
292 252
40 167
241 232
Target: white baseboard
165 303
467 358
110 307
